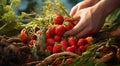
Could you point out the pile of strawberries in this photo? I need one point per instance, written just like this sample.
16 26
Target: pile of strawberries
55 42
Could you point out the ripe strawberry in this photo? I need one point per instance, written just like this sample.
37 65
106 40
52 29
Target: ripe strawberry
56 48
50 41
31 42
72 41
64 44
82 42
71 48
69 61
23 36
82 48
69 26
57 38
58 19
60 30
89 39
49 49
56 63
50 32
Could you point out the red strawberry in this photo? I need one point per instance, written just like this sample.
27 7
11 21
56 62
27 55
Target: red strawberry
69 61
60 30
57 38
23 36
49 49
89 39
64 44
69 26
31 42
58 19
82 42
50 32
72 41
56 63
71 48
50 41
56 48
82 48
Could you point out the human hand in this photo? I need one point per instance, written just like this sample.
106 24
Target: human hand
90 20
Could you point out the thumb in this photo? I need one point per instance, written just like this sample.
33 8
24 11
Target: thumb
73 10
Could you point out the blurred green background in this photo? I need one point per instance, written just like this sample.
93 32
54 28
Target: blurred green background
35 5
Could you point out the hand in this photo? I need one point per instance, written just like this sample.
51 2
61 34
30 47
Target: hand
90 20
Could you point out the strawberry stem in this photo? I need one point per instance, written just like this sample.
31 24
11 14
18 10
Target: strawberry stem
65 12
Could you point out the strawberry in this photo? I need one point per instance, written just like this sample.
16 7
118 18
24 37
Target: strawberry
69 61
64 44
58 19
60 30
57 38
23 36
82 42
71 48
56 48
82 48
50 41
69 26
72 41
89 39
57 62
49 49
50 32
31 42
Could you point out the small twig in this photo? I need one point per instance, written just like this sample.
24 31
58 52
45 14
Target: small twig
32 63
52 57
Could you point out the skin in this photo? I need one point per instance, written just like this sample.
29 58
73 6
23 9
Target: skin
90 16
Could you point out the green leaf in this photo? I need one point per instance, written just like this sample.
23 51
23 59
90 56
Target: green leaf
34 52
3 2
113 16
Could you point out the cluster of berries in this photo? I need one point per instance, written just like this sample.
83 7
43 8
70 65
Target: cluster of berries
55 42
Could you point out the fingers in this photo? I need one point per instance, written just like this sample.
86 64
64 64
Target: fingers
85 32
77 28
73 10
